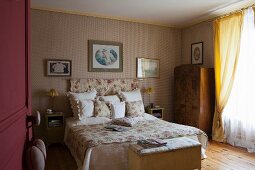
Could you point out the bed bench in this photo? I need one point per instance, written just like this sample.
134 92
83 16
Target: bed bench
179 154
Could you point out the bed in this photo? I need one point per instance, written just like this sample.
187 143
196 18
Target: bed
95 147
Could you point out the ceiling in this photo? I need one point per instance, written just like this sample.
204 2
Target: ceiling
175 13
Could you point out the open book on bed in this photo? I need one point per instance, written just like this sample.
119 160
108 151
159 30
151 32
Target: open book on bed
116 128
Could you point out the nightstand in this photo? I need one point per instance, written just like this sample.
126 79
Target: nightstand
54 127
156 111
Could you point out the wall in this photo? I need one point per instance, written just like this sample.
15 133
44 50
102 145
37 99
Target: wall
65 36
200 32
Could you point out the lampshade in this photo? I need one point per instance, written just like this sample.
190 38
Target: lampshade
52 93
148 90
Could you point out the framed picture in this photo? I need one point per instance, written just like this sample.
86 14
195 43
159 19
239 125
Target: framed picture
105 56
147 68
197 53
59 67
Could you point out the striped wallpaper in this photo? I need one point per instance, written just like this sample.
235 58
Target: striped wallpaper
65 36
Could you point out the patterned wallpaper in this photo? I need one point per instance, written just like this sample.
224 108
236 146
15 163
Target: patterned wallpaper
200 32
65 36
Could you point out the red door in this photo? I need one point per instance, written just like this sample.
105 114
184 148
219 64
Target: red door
14 82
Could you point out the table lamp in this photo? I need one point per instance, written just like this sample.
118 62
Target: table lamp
52 93
149 91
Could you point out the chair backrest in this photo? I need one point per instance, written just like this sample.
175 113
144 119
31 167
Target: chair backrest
36 155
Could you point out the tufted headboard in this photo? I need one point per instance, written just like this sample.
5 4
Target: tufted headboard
103 86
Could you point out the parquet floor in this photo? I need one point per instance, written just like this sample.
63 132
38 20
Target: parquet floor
219 157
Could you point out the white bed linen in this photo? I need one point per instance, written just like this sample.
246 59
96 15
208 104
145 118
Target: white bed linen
113 151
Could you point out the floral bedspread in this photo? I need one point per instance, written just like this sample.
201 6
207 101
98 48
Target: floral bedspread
82 137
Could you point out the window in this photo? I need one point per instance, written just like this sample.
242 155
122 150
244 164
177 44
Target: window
239 113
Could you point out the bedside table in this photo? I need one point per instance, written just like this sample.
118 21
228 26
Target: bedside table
156 111
54 127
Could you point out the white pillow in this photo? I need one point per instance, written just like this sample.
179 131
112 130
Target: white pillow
90 95
118 110
86 109
131 96
111 98
76 97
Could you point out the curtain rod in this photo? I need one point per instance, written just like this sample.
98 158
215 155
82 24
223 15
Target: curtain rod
234 12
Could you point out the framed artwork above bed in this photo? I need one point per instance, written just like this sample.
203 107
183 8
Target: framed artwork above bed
59 67
105 56
147 68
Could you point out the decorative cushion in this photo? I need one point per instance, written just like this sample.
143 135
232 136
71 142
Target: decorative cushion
74 106
102 109
131 96
117 109
111 98
134 109
76 97
127 121
86 109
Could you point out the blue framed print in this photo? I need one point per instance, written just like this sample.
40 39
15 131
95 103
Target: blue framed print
105 56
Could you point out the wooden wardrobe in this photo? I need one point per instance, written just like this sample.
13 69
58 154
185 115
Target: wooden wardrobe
194 96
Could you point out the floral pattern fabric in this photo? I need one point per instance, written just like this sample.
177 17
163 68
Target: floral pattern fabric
102 109
127 121
82 137
134 109
103 86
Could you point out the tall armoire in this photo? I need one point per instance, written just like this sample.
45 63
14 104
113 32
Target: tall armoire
194 96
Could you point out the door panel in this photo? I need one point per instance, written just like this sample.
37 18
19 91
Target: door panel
14 84
12 144
12 63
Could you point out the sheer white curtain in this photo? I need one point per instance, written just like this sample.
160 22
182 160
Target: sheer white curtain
239 113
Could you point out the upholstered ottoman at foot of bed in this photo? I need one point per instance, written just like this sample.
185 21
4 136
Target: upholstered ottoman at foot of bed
179 154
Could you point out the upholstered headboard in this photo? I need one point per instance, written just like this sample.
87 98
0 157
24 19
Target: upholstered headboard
103 86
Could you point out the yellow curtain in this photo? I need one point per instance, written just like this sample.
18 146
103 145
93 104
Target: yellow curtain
226 46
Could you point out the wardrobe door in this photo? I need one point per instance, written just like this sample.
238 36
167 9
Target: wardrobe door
186 95
180 93
207 98
192 75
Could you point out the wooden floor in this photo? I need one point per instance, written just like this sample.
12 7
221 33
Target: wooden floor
223 156
219 157
59 158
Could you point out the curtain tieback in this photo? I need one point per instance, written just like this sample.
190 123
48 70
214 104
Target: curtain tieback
219 121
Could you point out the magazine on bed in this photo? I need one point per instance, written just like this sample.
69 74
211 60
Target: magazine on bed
116 128
151 143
